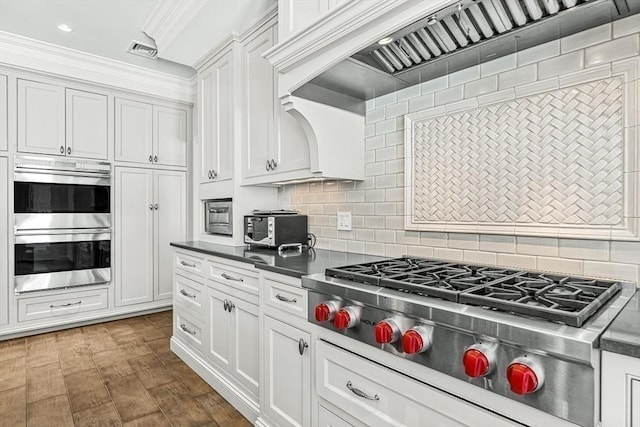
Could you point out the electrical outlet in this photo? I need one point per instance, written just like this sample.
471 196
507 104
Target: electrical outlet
344 221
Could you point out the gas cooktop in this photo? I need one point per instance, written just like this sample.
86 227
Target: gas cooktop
566 299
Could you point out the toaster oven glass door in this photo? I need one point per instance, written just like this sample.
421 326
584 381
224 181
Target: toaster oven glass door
257 228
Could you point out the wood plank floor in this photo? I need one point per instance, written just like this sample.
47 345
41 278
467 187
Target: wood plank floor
119 373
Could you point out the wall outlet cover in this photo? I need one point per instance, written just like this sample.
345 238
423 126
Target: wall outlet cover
344 221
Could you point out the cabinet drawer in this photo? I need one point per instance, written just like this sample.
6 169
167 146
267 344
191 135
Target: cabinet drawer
379 396
326 418
62 306
189 263
188 330
234 276
189 295
285 297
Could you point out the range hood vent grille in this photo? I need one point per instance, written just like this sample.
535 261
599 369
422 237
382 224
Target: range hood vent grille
144 50
472 23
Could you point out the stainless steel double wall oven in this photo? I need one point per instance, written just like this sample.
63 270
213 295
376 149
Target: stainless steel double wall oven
62 212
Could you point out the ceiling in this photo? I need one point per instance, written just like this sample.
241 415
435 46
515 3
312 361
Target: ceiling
107 27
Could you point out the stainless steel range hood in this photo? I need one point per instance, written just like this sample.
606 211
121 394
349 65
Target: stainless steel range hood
462 35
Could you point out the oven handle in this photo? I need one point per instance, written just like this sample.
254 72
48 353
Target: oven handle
361 393
55 177
63 236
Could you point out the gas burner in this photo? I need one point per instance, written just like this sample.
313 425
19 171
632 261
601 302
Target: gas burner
372 272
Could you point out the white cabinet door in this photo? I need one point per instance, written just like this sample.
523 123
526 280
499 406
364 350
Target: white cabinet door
287 374
86 124
620 390
134 131
219 326
258 97
170 136
217 100
4 267
170 207
4 118
41 124
134 236
246 344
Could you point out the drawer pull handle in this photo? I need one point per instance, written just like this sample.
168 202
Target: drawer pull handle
186 294
187 264
360 393
302 345
226 276
285 299
65 305
187 330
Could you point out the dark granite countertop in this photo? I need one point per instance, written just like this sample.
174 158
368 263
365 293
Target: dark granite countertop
292 264
623 334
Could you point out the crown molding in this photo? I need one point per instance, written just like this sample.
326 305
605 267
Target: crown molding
26 53
168 20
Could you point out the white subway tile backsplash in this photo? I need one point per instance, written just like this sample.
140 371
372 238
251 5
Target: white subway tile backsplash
626 26
355 246
385 181
623 47
374 142
560 265
537 246
369 130
394 194
562 64
374 222
385 100
374 116
374 195
386 126
463 241
586 38
499 65
365 234
338 196
538 53
357 221
448 254
608 270
394 138
394 166
588 75
421 103
497 243
516 261
369 156
330 209
395 222
448 96
329 232
386 208
627 252
597 250
395 251
495 97
481 86
463 76
373 169
408 237
338 245
398 109
487 258
372 248
370 105
385 236
434 85
388 153
430 238
537 87
522 75
323 243
355 196
466 104
364 209
408 93
420 251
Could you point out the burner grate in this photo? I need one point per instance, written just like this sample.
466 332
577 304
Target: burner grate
373 272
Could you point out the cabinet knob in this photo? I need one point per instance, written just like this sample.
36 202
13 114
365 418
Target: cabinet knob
155 206
68 150
214 174
301 346
268 165
155 159
150 159
274 163
150 207
61 149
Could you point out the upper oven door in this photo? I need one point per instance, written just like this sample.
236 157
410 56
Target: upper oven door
71 258
61 200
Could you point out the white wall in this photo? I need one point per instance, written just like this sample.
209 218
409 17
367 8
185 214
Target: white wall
377 202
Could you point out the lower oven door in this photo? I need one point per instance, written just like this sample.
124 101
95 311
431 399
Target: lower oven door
64 259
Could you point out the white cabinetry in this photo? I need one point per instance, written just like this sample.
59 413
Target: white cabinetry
4 118
64 122
147 133
4 242
150 213
273 142
295 15
217 98
620 390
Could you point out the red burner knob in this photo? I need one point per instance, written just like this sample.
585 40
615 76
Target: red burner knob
524 376
386 331
325 311
476 364
345 318
415 340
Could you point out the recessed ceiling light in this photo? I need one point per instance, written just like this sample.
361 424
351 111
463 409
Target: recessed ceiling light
65 28
385 40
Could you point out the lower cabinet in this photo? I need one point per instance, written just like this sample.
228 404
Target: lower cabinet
4 236
620 390
287 365
151 212
326 418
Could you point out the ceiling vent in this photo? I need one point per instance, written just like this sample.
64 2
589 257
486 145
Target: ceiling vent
144 50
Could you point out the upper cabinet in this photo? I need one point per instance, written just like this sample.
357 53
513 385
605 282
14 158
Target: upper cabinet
295 15
59 121
147 133
4 119
216 100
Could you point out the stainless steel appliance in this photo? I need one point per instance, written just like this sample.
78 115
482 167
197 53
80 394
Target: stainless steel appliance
62 211
517 336
62 258
61 194
275 228
218 216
